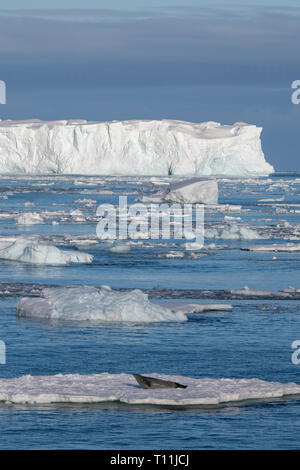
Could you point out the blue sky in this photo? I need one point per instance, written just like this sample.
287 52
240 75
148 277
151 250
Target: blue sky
156 59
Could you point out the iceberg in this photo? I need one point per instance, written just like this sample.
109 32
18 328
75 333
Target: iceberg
105 387
191 191
137 147
29 218
33 252
91 304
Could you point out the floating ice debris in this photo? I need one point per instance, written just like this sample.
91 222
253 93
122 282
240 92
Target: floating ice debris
272 200
16 289
77 215
233 232
194 308
104 387
190 191
29 218
246 292
34 252
224 208
109 245
289 247
120 248
164 147
89 303
172 254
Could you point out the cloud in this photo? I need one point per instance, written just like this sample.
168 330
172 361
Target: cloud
226 64
263 37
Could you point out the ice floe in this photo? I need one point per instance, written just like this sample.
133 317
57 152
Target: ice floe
89 303
190 191
34 252
105 387
288 247
232 232
29 218
193 308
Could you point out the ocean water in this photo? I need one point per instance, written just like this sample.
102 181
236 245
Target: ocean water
254 340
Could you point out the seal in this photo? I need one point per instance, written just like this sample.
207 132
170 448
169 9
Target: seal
151 382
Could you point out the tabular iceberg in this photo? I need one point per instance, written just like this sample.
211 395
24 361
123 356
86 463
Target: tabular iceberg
89 303
166 147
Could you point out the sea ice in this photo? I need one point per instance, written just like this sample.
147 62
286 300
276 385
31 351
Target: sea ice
190 191
89 303
105 387
189 308
289 247
232 232
29 218
34 252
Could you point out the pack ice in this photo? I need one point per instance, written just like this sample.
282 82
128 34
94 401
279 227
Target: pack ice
166 147
34 252
105 387
86 303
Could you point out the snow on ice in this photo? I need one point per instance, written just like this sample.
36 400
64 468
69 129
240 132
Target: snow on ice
89 303
105 387
166 147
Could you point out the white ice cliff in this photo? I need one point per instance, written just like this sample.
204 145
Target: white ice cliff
166 147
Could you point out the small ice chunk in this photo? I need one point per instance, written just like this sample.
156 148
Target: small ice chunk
29 218
190 191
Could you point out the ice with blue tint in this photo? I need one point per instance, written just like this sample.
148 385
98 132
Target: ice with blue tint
88 303
166 147
32 251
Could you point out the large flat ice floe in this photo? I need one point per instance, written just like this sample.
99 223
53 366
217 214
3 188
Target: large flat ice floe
166 147
35 252
91 304
97 388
